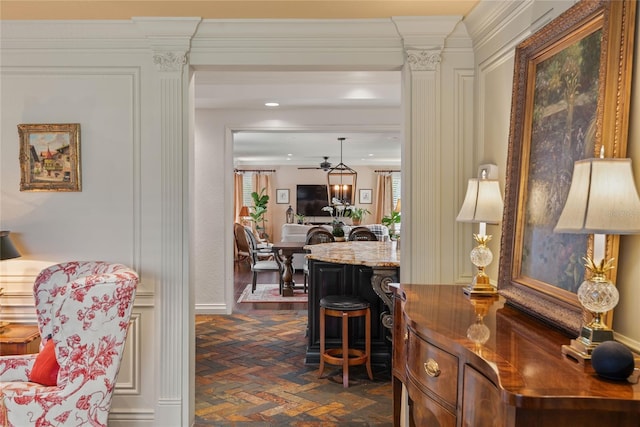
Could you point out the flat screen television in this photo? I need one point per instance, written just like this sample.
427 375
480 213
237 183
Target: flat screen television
310 199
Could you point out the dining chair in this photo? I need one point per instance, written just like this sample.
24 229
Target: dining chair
362 234
259 264
242 244
315 236
243 252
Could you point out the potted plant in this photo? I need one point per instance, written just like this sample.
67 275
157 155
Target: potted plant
300 218
390 221
339 212
338 231
259 210
358 214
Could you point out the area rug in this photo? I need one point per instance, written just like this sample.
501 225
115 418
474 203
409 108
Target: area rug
270 293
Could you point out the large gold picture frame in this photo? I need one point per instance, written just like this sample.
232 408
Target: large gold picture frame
49 157
571 97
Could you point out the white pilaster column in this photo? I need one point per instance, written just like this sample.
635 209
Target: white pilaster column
424 152
170 41
422 158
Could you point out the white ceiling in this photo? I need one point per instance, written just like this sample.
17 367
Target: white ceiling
311 91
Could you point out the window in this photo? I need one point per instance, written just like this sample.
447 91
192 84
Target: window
396 186
247 188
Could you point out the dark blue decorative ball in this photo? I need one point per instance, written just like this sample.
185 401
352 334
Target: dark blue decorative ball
612 360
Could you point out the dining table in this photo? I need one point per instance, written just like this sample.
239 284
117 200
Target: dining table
288 250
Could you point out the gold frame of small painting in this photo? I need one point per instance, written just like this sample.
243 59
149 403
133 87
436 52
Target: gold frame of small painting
49 157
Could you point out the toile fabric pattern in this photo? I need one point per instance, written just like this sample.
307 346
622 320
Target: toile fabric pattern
84 307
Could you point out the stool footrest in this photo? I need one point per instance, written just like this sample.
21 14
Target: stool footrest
334 356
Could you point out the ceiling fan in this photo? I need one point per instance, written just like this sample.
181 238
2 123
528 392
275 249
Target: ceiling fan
325 165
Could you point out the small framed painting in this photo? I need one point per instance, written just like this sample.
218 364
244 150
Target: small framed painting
282 196
365 196
49 157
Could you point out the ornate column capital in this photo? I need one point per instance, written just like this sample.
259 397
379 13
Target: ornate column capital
169 60
423 60
170 40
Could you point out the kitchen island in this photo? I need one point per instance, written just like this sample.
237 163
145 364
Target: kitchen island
360 268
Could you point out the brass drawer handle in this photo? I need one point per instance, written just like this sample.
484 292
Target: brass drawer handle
431 368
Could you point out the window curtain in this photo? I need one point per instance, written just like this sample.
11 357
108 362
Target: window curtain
384 197
238 180
260 181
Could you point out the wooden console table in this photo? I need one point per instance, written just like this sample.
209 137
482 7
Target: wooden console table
19 339
501 368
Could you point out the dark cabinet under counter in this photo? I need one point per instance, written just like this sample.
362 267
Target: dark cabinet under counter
329 278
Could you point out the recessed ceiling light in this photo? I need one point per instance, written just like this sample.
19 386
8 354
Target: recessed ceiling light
271 104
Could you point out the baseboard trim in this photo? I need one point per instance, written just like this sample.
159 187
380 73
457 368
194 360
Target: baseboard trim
211 309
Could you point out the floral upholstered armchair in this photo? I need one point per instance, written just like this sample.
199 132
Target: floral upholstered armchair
83 311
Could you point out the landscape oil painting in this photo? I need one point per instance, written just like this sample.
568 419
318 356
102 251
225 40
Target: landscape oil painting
571 101
562 131
49 157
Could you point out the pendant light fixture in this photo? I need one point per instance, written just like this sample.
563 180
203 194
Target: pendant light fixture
341 182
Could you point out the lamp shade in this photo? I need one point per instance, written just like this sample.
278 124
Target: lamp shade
482 203
7 250
602 199
244 212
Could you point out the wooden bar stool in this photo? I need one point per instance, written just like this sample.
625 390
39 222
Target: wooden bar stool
345 307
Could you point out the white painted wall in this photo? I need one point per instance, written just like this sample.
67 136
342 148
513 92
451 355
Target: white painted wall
288 177
115 217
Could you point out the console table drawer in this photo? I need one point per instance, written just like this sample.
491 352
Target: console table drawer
425 411
433 368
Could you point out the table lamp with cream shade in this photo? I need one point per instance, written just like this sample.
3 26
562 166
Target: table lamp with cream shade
602 200
483 205
7 251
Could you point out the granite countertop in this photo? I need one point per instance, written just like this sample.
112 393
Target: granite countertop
372 254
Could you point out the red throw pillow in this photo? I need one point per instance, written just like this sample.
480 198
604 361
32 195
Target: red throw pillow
45 369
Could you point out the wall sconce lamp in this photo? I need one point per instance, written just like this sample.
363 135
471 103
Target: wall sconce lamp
602 200
482 204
